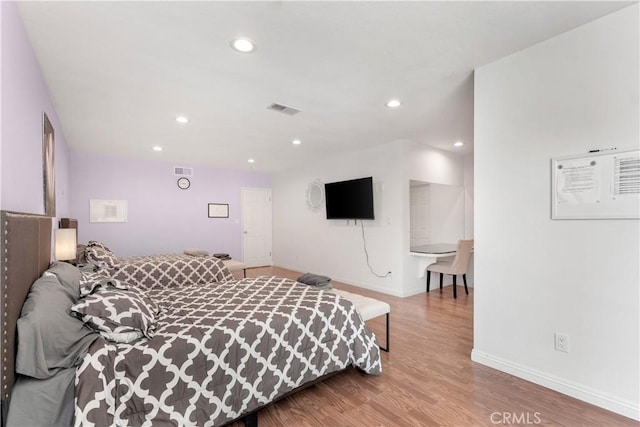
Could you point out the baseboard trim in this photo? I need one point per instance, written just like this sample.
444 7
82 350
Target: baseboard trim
413 291
611 403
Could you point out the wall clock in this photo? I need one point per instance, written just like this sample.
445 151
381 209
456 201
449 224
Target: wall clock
184 183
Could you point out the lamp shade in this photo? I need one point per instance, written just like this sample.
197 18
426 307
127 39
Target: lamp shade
65 244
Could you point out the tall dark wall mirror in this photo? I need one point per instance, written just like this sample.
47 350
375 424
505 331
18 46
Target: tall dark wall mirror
48 166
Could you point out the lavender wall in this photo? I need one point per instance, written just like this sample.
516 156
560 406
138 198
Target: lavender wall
161 217
24 98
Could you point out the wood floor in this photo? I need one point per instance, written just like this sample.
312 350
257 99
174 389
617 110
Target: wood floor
428 378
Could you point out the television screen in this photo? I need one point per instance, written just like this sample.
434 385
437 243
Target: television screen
349 199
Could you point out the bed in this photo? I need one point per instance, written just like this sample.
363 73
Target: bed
156 271
217 351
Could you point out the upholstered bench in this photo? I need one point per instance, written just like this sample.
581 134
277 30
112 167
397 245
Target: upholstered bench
368 308
234 265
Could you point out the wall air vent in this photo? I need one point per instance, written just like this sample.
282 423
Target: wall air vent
290 111
182 171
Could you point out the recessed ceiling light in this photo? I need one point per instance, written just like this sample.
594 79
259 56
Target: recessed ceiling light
182 119
296 142
251 161
157 148
393 103
458 144
242 45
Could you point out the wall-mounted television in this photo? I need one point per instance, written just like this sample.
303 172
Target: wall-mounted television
349 199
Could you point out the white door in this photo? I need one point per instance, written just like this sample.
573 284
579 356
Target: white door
255 205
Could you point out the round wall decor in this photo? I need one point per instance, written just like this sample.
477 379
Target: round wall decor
315 195
184 183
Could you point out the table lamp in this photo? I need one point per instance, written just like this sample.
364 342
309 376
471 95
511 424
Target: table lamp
65 244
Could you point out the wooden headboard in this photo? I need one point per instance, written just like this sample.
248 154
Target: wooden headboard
25 248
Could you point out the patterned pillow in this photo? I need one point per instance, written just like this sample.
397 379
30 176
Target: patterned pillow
101 257
120 316
91 281
97 244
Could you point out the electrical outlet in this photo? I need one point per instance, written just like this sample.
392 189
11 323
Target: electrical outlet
561 342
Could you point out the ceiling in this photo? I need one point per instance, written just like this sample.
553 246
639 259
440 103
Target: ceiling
119 73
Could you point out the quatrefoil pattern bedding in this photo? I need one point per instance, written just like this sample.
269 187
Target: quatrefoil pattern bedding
221 350
160 271
118 315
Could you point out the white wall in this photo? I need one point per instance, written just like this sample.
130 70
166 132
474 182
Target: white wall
447 213
304 240
428 164
535 276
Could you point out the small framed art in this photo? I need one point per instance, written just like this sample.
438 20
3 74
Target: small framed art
218 210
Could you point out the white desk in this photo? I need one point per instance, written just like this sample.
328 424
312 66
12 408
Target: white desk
429 254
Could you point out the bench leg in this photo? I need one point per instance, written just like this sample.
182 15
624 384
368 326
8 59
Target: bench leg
428 280
387 347
251 420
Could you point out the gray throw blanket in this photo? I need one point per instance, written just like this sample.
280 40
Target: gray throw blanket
315 280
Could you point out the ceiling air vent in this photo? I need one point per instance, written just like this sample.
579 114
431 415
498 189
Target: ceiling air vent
283 109
182 171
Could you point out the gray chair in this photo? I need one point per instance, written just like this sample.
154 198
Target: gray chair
459 265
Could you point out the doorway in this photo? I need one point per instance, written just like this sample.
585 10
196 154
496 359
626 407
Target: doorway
255 207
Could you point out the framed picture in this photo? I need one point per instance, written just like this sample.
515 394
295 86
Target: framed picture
48 164
107 210
218 210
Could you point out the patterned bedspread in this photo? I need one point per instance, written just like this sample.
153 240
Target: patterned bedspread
222 350
161 271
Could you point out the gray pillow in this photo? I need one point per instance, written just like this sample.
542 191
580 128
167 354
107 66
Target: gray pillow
68 275
49 339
